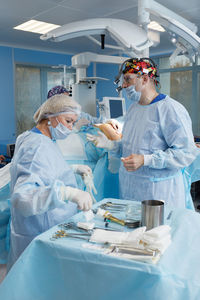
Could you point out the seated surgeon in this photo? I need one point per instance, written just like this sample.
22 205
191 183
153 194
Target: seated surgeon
43 186
157 140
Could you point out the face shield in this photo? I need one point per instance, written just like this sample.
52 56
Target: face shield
55 106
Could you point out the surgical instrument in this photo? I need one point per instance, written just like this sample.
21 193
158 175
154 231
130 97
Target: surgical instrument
63 233
74 226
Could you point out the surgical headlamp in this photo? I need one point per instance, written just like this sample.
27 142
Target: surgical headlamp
117 82
118 78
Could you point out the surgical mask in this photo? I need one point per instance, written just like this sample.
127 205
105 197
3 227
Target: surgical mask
59 132
132 94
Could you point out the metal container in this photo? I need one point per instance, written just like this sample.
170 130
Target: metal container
152 213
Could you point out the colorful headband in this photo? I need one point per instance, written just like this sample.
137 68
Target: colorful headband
141 66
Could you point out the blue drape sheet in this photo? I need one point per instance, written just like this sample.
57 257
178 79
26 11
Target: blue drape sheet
63 269
4 222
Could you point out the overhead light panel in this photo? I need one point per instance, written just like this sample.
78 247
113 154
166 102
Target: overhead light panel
130 37
36 26
155 26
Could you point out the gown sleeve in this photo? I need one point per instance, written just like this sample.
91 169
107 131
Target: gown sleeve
176 127
35 181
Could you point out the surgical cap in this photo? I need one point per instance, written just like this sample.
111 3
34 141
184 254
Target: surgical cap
141 66
57 105
56 90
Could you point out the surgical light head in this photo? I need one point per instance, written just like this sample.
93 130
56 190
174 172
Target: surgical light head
137 66
57 105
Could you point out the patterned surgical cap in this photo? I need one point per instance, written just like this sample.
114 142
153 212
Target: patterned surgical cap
56 90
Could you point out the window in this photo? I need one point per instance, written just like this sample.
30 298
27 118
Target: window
179 86
198 105
178 62
181 80
27 96
31 86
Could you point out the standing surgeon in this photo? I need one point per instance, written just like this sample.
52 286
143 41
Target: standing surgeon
43 186
157 140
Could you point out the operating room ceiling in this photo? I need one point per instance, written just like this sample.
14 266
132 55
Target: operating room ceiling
15 12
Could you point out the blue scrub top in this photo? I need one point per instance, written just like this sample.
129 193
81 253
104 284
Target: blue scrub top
36 130
158 98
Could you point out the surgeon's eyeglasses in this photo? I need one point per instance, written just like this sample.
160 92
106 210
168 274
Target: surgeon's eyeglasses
130 60
128 78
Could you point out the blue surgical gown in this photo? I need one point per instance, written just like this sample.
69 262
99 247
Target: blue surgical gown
162 132
38 170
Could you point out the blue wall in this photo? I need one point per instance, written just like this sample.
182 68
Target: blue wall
39 57
7 112
106 88
9 56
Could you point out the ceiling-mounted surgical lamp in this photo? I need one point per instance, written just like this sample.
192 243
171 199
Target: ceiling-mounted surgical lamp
182 37
182 32
130 37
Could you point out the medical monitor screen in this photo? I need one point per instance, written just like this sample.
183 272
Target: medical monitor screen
116 108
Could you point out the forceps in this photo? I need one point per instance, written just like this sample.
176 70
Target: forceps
62 233
132 250
115 207
72 225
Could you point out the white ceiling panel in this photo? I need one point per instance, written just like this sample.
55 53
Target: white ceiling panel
62 15
179 6
23 8
55 1
128 14
193 15
100 8
14 12
10 21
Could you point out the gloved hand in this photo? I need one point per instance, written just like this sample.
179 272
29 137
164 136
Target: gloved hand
90 188
82 170
115 124
81 198
100 140
80 123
